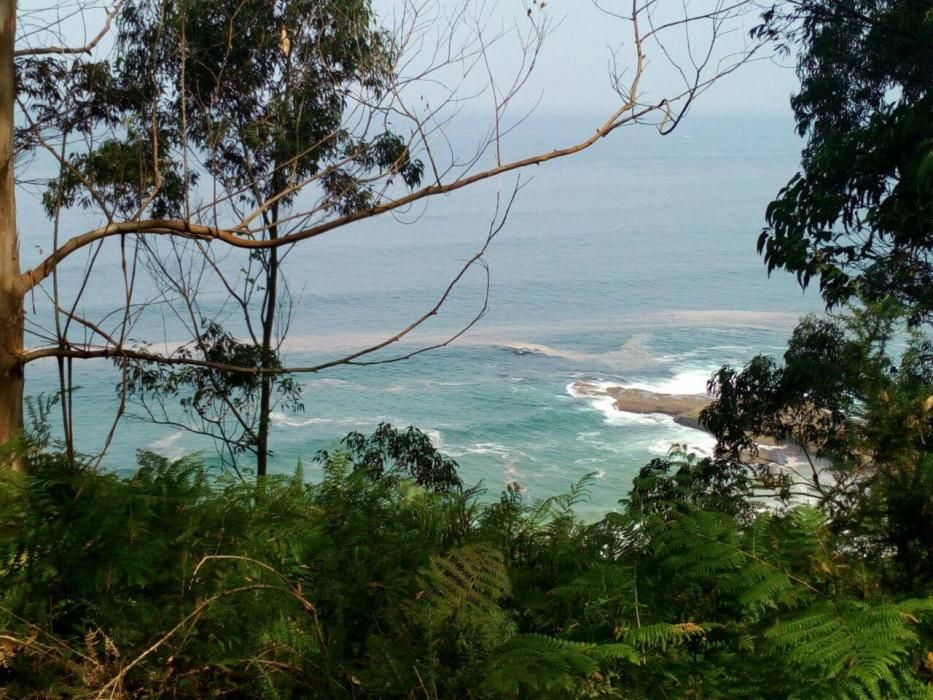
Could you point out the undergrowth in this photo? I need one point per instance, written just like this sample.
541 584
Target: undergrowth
175 583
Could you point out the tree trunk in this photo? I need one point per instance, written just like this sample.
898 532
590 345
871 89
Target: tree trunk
262 435
268 327
11 296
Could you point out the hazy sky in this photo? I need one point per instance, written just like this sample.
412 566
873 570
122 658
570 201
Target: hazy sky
571 74
572 71
760 86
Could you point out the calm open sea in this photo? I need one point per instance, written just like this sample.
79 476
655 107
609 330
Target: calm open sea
631 264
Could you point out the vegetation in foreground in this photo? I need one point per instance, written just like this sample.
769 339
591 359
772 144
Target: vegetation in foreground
388 579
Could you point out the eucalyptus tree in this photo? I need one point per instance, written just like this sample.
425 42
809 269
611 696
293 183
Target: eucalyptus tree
185 128
264 100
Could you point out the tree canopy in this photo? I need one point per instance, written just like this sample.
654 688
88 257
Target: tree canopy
854 391
248 97
858 217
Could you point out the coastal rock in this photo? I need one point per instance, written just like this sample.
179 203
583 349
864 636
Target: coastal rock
683 408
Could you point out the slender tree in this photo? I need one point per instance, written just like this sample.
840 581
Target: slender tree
268 112
11 288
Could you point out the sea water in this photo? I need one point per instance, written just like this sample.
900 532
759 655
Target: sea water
632 264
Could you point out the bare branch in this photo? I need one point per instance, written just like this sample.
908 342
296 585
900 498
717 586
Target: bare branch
87 48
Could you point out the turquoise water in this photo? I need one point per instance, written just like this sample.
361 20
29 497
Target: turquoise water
632 264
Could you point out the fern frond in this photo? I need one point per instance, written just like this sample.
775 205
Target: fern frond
470 576
856 647
663 634
541 665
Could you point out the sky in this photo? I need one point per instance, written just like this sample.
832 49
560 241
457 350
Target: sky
572 74
762 86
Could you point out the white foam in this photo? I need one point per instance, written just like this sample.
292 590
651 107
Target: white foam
594 441
168 446
607 406
584 461
283 420
510 459
696 440
688 382
626 419
326 382
489 448
435 436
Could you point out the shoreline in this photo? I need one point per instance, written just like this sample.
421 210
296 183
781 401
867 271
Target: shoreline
685 410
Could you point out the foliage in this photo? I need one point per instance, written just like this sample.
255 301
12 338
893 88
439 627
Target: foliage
386 578
265 108
860 409
720 485
389 451
174 583
214 401
858 216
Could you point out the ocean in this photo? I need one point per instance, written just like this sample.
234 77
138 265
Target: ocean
631 264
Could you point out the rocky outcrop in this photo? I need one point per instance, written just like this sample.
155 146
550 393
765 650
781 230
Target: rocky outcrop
684 409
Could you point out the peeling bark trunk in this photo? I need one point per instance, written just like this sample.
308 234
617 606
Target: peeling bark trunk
11 294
